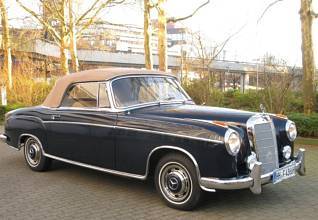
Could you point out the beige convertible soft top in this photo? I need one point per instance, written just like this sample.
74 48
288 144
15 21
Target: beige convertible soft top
54 98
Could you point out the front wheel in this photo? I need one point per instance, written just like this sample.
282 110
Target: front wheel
177 183
33 155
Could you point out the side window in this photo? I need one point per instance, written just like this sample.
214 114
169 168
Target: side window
103 101
81 95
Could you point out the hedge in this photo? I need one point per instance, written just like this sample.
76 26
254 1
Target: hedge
307 126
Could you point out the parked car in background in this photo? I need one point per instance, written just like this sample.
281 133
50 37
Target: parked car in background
138 123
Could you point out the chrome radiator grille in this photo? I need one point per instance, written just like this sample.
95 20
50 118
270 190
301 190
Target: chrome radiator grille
266 146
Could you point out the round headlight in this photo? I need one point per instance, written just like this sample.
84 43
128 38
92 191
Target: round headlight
232 142
291 130
287 152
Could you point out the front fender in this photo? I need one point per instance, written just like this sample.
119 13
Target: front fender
203 140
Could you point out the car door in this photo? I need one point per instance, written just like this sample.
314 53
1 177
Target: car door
82 128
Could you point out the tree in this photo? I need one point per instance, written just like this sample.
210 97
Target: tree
309 87
200 58
77 26
65 29
56 26
7 66
278 81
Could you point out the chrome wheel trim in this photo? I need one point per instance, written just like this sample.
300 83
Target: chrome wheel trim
32 152
175 183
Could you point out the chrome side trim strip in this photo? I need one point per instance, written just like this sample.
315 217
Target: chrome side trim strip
172 134
14 148
78 123
27 116
138 129
115 172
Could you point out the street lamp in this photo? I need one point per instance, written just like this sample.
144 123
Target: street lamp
257 70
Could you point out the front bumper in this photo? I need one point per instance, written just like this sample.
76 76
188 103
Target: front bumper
254 181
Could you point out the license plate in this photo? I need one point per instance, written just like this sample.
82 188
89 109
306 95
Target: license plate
284 173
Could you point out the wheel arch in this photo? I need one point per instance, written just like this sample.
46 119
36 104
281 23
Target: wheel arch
19 126
24 136
158 152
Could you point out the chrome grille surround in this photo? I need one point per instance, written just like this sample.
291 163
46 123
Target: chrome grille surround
262 138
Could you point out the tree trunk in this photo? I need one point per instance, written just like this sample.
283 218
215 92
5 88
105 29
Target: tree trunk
7 66
73 39
64 42
162 36
64 60
147 36
307 56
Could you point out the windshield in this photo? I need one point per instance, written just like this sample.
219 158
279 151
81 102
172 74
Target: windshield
132 91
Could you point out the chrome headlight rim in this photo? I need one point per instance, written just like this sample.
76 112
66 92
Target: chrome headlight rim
289 124
232 149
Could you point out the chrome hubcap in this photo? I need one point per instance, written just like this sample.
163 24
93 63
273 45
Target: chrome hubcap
32 152
175 182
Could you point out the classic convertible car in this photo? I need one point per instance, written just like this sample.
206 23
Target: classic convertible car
138 123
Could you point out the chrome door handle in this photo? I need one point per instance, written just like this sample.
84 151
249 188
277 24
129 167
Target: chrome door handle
54 117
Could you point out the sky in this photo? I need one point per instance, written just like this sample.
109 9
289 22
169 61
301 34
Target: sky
278 33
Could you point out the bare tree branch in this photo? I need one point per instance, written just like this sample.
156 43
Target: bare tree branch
153 4
54 33
190 15
86 12
93 17
224 43
267 8
48 8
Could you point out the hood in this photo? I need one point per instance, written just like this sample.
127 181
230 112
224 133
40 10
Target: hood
189 111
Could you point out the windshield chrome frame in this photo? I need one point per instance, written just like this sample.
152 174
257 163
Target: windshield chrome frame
131 107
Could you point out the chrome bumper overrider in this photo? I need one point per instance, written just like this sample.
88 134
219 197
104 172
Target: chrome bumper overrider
3 138
254 181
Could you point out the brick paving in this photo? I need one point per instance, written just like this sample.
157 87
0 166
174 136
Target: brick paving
70 192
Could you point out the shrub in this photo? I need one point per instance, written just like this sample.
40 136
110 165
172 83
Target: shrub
204 94
246 101
295 103
28 91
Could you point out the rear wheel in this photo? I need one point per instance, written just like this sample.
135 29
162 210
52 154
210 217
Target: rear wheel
33 155
177 183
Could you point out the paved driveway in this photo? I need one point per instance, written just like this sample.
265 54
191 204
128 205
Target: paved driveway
69 192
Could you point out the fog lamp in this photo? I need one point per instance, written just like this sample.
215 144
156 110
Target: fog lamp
287 152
